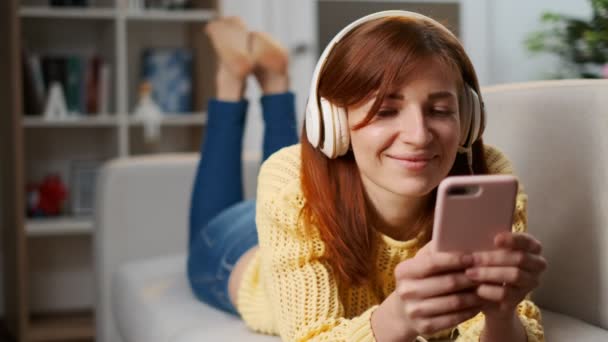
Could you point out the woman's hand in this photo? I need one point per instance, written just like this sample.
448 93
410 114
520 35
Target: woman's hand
506 275
434 292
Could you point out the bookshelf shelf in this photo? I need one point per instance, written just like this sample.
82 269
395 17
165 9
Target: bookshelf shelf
77 122
168 15
181 119
59 226
66 13
111 13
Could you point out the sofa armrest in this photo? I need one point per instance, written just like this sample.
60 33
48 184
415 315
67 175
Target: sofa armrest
142 208
554 132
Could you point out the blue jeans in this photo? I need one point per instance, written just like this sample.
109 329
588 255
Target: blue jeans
221 224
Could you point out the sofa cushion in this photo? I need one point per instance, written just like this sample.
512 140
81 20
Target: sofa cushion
152 302
562 328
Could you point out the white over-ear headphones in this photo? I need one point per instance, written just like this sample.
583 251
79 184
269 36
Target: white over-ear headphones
327 126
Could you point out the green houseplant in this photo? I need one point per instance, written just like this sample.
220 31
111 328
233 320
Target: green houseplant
581 45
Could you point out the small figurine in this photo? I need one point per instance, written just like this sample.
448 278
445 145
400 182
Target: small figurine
149 113
47 198
56 108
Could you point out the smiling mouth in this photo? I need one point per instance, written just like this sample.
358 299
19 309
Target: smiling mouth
413 163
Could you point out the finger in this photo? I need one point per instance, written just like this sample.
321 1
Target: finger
502 257
433 263
518 241
498 294
511 276
443 305
435 324
434 286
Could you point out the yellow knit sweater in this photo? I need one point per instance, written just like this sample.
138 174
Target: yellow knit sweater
288 289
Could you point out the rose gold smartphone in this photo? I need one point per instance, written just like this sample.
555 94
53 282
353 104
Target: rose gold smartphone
471 210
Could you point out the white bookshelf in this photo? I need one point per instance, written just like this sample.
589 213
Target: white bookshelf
119 35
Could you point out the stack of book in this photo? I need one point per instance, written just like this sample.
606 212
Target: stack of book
85 81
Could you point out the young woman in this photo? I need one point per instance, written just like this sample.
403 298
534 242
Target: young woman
344 217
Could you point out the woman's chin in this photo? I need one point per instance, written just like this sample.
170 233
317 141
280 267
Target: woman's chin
415 189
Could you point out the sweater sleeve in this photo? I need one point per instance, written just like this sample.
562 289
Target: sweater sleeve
527 311
302 288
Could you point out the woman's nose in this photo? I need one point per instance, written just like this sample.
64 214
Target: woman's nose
414 129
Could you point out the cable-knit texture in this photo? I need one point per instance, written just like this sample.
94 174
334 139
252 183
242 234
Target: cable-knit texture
289 290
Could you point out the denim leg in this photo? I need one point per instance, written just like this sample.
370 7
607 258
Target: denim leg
215 251
218 182
280 122
222 228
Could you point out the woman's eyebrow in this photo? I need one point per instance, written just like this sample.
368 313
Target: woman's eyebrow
432 96
441 95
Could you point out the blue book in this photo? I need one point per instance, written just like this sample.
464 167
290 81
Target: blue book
74 80
169 71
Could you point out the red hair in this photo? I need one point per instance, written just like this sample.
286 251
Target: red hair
369 61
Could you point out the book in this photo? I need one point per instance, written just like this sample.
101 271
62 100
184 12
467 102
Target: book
168 4
104 89
33 88
54 70
64 3
92 85
74 80
38 78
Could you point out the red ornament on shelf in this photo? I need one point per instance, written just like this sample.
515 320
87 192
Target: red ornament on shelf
52 195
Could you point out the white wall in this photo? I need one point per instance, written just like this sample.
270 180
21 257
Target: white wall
511 21
493 33
292 23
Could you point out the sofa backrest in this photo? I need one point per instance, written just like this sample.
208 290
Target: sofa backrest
142 207
556 135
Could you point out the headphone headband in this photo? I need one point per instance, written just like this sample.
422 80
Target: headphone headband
326 124
338 37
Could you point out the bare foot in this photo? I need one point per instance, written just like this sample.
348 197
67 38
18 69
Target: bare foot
230 40
271 62
231 43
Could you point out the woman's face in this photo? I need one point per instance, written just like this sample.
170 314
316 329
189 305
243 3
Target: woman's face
410 145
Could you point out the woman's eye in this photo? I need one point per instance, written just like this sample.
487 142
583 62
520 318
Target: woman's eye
386 112
442 112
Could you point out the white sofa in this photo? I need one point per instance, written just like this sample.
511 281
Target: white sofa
554 132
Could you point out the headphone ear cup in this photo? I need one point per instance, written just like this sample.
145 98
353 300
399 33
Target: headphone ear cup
343 132
476 116
465 117
313 123
328 143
